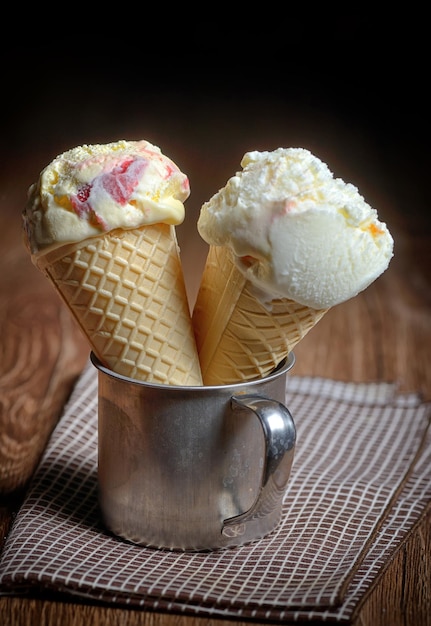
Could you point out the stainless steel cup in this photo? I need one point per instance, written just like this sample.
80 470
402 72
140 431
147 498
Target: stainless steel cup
193 468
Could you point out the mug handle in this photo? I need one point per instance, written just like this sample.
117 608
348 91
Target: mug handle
280 438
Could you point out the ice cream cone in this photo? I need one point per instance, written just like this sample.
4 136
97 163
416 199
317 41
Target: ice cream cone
239 335
127 292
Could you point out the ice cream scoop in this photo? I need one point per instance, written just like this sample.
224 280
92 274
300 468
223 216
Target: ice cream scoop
100 223
295 241
297 231
93 189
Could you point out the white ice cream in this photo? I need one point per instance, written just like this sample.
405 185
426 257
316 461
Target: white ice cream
93 189
297 231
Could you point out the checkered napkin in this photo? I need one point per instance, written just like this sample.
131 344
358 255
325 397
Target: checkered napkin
359 482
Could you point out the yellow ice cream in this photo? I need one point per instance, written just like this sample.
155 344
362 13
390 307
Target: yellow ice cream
93 189
100 224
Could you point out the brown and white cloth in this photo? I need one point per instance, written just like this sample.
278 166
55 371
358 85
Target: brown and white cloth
361 479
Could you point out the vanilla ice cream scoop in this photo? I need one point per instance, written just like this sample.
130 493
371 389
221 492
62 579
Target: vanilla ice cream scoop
295 231
93 189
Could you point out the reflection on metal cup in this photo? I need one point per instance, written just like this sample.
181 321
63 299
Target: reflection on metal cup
193 468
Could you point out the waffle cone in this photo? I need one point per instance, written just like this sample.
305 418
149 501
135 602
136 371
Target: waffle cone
126 291
239 336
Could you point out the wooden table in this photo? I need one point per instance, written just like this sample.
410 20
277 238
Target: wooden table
381 335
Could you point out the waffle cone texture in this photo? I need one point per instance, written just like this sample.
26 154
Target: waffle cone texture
240 337
126 290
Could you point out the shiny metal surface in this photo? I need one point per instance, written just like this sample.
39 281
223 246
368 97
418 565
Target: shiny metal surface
193 468
280 438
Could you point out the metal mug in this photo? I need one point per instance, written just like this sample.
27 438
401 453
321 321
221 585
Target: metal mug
193 468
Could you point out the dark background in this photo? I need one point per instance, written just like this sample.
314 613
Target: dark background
352 88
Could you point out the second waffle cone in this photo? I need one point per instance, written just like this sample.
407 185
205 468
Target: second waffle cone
239 336
126 290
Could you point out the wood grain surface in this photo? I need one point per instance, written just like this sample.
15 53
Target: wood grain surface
381 335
